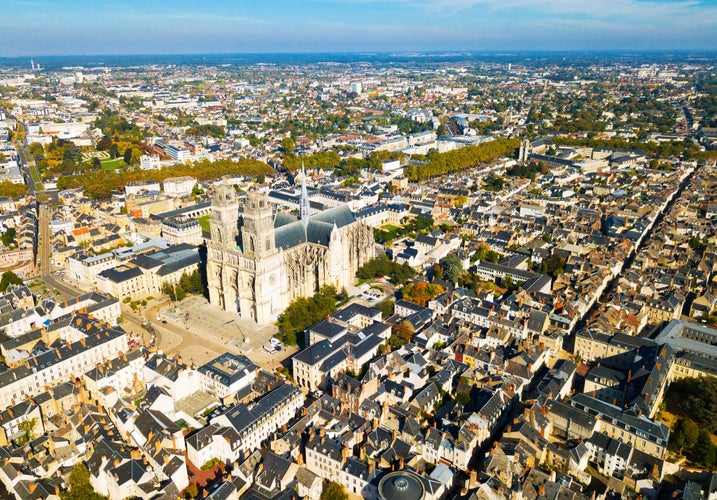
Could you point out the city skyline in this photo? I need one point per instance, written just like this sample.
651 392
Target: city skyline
84 28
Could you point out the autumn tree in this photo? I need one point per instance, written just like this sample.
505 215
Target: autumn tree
12 190
334 491
401 334
438 271
421 292
288 145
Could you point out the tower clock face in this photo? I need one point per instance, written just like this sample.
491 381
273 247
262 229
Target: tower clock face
272 279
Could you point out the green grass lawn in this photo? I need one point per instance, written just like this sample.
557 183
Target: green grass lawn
112 164
204 222
34 173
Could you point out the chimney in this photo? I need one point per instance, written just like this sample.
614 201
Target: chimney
371 466
541 490
473 479
31 487
300 459
393 436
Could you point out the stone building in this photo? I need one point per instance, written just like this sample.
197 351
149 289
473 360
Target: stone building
257 265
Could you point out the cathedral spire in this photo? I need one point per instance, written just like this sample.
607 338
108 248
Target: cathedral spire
304 201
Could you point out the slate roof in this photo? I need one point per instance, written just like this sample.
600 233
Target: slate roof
242 417
288 234
654 431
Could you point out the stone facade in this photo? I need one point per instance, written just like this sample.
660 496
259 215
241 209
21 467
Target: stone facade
257 267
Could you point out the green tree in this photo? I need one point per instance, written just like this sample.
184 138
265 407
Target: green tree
8 237
383 266
9 278
553 265
304 312
696 244
463 398
684 435
695 398
453 267
386 308
79 487
334 491
704 451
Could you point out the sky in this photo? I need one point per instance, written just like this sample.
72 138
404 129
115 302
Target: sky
79 27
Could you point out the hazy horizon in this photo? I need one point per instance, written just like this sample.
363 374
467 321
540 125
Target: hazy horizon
82 27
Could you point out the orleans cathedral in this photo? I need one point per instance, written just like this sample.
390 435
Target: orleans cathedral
259 260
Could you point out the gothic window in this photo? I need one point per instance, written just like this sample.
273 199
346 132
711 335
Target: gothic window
268 245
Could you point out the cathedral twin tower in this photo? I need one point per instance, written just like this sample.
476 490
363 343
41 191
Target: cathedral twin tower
258 263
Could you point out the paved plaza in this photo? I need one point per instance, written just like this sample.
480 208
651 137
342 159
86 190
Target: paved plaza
219 327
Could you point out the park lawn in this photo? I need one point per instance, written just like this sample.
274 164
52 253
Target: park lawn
112 164
390 227
204 222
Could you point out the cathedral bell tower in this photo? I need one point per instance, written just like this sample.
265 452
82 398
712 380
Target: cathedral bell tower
257 232
225 214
